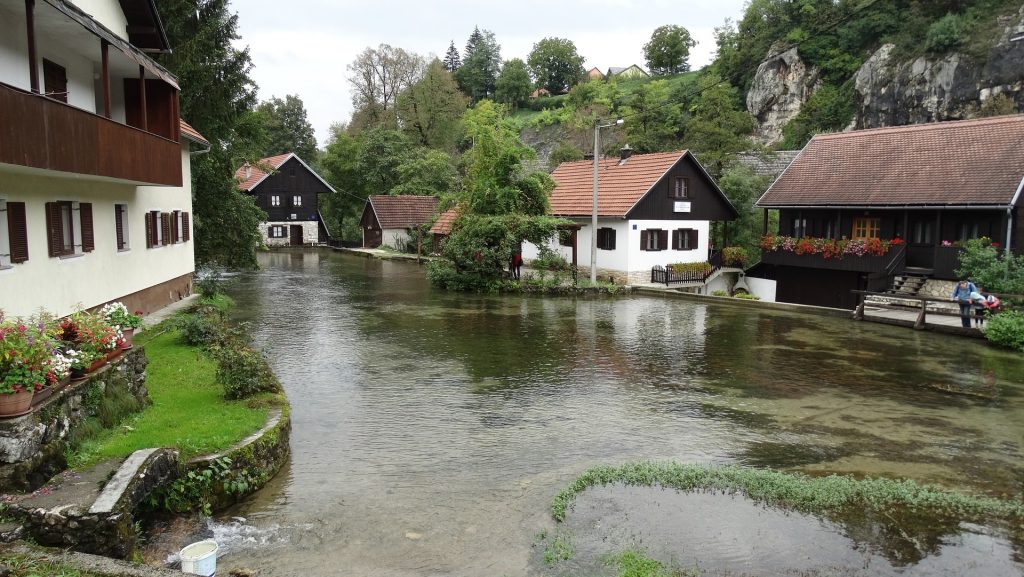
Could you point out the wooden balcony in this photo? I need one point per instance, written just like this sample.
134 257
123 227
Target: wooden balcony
41 133
866 263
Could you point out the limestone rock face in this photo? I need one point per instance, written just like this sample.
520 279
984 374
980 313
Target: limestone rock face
780 87
953 87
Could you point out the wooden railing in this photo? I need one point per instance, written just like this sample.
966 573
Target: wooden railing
39 132
866 263
661 275
1006 300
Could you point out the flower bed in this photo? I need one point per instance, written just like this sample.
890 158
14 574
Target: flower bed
828 247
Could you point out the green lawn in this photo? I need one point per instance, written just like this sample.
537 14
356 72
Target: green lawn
188 411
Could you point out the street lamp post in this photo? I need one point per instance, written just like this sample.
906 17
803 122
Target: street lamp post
593 214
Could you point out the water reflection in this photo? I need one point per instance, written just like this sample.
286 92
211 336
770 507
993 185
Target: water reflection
455 418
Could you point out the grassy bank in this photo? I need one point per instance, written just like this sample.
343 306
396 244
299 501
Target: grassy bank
814 495
189 411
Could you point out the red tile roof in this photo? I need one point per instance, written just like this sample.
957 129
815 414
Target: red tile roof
621 185
443 224
402 211
970 162
249 175
191 133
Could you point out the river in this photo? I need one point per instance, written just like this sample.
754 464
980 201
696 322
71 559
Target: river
431 429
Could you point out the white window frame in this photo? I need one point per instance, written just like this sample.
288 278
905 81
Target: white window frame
296 200
5 237
76 229
275 200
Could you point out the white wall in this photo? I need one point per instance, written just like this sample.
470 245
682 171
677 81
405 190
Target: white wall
108 13
762 288
81 86
14 69
396 238
645 260
62 285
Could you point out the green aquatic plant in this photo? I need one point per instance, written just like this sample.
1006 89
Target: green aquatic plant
813 495
635 563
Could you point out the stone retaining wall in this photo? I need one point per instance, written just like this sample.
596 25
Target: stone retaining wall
32 447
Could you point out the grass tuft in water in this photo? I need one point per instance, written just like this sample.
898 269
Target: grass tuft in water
813 495
558 548
635 563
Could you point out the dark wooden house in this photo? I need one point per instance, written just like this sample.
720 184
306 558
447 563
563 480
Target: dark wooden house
929 186
288 190
387 219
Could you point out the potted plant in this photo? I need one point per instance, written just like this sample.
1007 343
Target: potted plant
118 316
25 352
91 337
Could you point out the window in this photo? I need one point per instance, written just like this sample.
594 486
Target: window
799 227
296 200
565 237
828 230
606 238
684 239
275 200
13 233
680 188
275 231
176 226
55 81
69 228
653 239
155 234
967 231
121 226
921 232
864 228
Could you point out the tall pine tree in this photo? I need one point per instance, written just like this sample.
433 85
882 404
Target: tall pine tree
452 61
478 75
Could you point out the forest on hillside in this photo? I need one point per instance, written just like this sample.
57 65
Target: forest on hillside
454 126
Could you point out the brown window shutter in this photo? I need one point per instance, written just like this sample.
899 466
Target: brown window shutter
119 226
185 234
611 239
149 230
85 216
54 231
662 239
175 219
165 228
677 241
270 232
643 240
17 229
693 238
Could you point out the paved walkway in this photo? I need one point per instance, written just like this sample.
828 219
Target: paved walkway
168 311
934 321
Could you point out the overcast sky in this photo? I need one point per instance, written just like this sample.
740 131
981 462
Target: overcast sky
303 46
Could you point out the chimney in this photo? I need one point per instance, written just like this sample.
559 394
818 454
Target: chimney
588 156
624 153
248 171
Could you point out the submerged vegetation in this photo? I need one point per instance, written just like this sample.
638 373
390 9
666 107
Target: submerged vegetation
813 495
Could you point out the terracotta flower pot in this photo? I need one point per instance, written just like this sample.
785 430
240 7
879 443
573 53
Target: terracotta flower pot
16 404
97 364
128 334
111 355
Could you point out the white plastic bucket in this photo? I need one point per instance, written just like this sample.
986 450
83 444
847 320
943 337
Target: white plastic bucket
200 558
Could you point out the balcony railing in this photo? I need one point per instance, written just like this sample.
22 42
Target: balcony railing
866 263
38 132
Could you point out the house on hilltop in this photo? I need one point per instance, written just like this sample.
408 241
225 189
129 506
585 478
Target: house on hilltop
595 74
628 72
928 186
288 190
653 210
95 180
387 219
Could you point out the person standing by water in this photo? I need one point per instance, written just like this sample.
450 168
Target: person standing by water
962 295
516 265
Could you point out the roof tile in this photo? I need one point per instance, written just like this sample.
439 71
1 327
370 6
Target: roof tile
621 184
969 162
249 175
402 211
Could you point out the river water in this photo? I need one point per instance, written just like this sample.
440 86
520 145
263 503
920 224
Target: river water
431 430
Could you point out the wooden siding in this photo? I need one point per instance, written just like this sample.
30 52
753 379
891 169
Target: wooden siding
705 202
824 288
290 179
39 132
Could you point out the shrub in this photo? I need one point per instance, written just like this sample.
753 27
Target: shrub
746 296
719 293
690 267
208 282
945 34
1006 329
244 372
549 260
203 327
735 256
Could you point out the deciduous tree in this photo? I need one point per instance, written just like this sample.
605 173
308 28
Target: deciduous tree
668 51
288 130
378 76
514 85
555 64
431 107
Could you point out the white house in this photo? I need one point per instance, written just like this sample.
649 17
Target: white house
387 219
653 209
95 192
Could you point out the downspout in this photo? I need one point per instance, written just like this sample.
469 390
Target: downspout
1009 215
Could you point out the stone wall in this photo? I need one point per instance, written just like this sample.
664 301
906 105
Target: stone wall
32 446
310 232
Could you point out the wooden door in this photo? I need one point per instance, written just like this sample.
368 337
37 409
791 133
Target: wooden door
372 237
296 235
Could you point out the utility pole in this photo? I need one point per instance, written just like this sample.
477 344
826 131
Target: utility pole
593 215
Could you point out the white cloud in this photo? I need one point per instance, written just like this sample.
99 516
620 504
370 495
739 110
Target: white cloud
304 46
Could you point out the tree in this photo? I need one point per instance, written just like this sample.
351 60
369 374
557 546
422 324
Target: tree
452 61
742 186
478 74
288 130
381 152
719 127
555 64
426 173
431 107
996 270
668 51
514 84
378 76
217 98
652 119
339 163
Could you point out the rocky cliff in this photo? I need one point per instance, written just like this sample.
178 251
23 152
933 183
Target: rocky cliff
952 87
891 91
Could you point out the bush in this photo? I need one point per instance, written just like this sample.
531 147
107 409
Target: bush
945 34
690 267
1006 329
244 372
208 283
549 260
735 256
203 326
719 293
